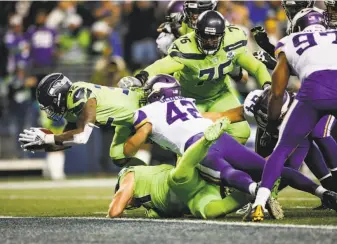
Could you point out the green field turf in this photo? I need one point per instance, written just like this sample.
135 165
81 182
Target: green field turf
94 202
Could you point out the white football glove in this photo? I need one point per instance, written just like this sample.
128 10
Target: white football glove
34 136
129 81
164 41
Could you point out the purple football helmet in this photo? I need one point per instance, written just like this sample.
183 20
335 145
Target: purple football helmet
305 18
162 87
330 14
175 7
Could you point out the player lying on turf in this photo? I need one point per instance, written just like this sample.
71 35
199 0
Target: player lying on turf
174 123
201 61
168 191
308 53
255 106
83 105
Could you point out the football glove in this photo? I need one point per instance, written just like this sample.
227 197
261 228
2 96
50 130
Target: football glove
35 137
269 133
262 39
129 81
266 59
164 41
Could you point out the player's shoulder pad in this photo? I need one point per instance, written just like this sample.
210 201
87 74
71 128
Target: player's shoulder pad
280 46
77 96
250 103
185 47
235 37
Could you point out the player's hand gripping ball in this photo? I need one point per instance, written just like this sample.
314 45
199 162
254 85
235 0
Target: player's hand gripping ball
33 139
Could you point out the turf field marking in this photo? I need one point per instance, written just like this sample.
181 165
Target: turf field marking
55 197
190 221
106 183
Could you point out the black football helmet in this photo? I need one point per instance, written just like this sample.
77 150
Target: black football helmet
51 93
293 7
192 10
330 14
210 31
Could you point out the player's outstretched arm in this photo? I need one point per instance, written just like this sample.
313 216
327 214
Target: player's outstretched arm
234 115
133 144
256 68
280 79
85 125
123 196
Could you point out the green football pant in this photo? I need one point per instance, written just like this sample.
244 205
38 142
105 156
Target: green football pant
203 199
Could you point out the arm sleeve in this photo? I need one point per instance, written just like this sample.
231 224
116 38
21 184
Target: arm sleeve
256 68
139 119
166 65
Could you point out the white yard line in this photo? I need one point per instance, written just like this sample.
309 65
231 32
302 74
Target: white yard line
89 197
104 183
189 221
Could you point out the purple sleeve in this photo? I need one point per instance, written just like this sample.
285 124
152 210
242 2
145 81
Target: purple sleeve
140 119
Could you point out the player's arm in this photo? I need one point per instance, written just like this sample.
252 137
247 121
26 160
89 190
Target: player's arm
256 68
85 125
166 65
133 144
280 79
262 40
234 115
123 196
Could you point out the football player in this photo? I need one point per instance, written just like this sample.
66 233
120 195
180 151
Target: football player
255 106
83 105
330 14
174 123
321 135
168 191
181 19
307 51
201 61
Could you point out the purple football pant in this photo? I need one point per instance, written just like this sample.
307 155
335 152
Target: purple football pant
317 98
237 166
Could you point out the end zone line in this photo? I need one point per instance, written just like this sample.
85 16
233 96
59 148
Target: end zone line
187 221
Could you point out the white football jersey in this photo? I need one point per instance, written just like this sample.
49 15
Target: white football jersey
173 122
308 52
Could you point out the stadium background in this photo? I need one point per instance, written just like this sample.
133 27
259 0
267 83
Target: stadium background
97 42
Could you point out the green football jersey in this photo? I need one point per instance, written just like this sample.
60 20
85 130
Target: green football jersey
115 106
184 29
205 76
151 190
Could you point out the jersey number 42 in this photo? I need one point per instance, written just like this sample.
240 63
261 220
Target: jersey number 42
181 110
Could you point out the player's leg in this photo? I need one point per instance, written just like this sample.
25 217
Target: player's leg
297 124
197 151
229 204
315 162
327 145
240 131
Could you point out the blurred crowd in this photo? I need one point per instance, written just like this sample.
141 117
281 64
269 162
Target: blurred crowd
97 42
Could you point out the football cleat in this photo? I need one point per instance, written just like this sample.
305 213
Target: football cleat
329 200
255 214
274 208
214 131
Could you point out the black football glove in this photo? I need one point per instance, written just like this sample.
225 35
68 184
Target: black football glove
262 40
266 59
270 132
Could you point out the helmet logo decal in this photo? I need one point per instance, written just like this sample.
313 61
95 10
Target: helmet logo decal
210 30
192 5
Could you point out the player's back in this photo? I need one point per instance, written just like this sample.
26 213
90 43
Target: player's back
115 106
308 52
174 122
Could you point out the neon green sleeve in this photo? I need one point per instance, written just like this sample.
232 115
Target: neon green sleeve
165 65
256 68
